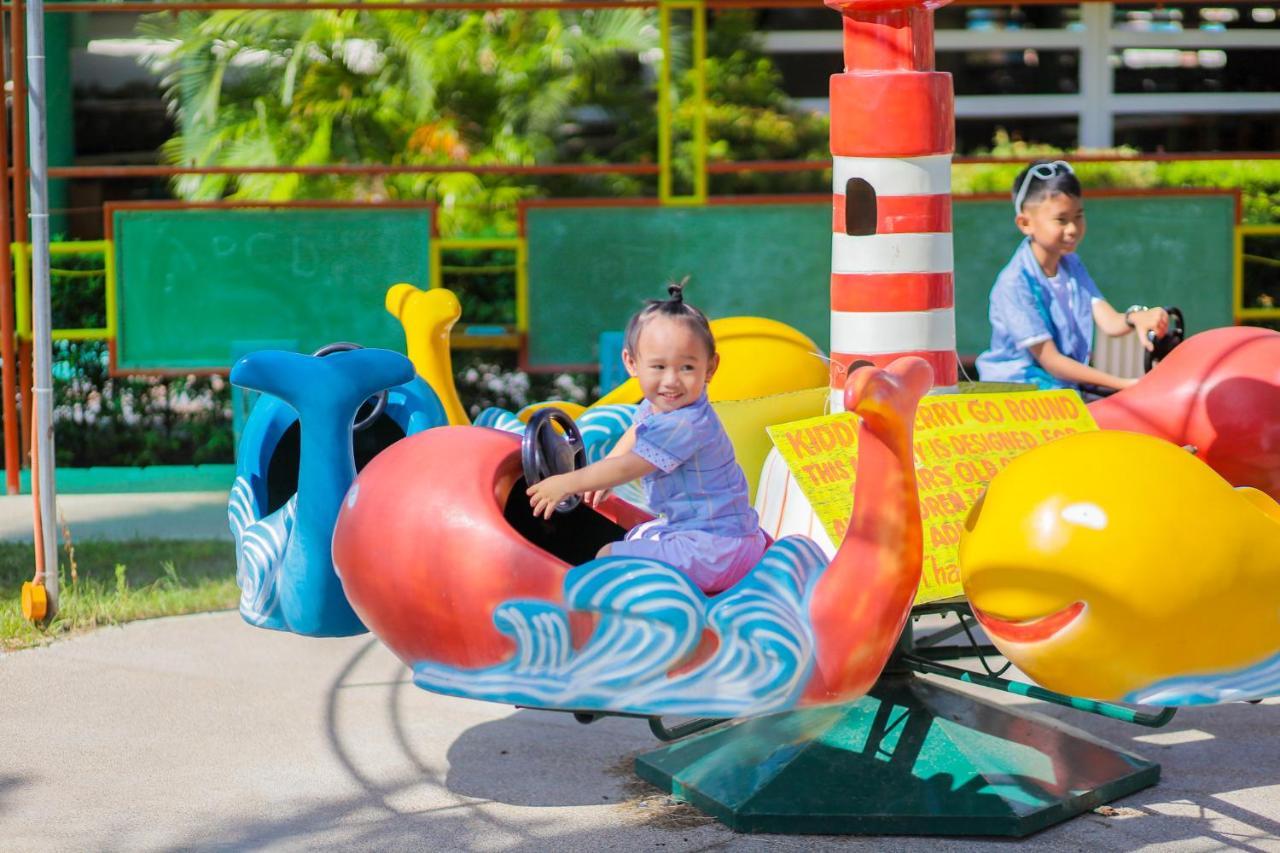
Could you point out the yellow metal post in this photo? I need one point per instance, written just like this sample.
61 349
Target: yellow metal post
522 287
697 100
21 253
22 288
464 336
109 262
1241 311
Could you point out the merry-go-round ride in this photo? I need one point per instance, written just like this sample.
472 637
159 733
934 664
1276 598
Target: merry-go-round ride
364 501
807 668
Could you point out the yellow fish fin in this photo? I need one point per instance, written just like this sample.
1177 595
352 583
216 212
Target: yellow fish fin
1261 500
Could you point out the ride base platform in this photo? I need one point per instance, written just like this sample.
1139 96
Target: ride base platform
913 757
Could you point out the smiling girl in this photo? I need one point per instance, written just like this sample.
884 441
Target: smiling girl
706 527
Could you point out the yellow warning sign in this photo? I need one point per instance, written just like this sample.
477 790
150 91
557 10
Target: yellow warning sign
961 442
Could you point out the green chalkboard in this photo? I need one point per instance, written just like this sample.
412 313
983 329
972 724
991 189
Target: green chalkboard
194 285
591 267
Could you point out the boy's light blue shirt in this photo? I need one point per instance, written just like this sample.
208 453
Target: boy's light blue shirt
1025 310
699 484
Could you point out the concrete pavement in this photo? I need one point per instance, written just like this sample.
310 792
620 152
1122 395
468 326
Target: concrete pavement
146 515
199 732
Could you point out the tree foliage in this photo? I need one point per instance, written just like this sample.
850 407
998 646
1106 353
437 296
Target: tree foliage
508 88
395 87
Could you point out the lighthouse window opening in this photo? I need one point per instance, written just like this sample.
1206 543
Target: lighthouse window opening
860 215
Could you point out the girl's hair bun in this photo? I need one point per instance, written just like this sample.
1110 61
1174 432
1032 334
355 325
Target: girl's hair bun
675 308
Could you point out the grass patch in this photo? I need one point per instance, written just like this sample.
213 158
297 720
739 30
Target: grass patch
108 583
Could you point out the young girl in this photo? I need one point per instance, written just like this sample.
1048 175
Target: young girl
1044 304
706 527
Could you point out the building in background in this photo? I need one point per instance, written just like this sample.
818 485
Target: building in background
1172 77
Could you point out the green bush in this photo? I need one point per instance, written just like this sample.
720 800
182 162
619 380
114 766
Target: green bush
1257 180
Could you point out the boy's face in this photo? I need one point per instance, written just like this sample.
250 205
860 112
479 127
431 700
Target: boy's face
1054 223
671 363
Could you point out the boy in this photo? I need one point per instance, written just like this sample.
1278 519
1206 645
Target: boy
1044 304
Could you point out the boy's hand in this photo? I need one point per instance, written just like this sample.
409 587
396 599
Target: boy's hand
546 495
596 497
1152 320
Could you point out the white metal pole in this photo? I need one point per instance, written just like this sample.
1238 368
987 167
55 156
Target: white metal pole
1097 121
41 313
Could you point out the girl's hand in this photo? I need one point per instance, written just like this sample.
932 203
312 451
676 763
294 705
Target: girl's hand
595 497
1152 320
546 495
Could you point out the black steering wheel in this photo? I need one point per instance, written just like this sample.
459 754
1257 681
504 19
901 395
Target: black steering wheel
544 452
380 399
1173 336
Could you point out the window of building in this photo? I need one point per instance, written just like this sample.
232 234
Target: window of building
1188 69
1028 71
1199 131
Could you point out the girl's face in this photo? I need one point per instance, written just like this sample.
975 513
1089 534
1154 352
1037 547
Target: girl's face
1055 224
671 363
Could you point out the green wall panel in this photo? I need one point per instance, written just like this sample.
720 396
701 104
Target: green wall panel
194 285
591 267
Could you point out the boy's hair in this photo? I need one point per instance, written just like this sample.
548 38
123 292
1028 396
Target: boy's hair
677 309
1042 179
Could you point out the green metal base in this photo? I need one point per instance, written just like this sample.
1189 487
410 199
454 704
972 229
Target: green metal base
911 758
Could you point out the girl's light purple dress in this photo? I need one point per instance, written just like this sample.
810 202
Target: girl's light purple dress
707 528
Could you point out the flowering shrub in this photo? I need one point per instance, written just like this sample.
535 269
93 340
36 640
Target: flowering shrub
487 379
135 420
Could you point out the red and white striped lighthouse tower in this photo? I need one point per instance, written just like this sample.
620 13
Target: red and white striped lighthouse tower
892 137
892 281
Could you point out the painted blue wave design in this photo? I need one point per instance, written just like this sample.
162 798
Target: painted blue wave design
1254 682
496 418
603 426
767 645
260 549
651 619
646 607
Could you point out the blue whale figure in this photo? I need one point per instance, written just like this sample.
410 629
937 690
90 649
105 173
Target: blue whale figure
283 555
